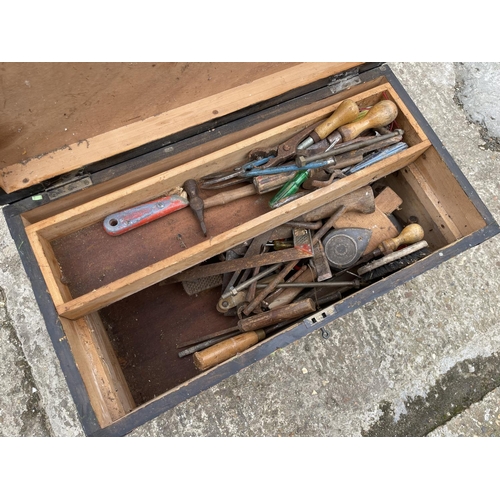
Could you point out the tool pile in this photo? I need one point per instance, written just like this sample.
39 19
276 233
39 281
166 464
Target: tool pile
316 259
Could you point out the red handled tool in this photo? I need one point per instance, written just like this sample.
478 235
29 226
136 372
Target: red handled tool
121 222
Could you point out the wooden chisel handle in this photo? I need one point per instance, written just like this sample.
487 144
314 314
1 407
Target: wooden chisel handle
228 196
347 112
413 233
381 114
226 349
290 311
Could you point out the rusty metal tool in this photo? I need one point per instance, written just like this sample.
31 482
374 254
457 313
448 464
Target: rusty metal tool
347 112
392 257
256 322
256 247
210 336
229 279
195 202
198 205
361 200
376 156
235 289
219 180
313 226
350 204
413 233
283 152
315 284
283 296
301 240
380 141
196 286
265 259
320 262
344 247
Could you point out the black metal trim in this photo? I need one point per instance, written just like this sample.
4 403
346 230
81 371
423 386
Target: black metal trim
71 373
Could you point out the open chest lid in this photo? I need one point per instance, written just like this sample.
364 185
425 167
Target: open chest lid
62 119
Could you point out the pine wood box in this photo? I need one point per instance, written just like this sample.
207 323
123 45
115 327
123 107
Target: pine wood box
113 322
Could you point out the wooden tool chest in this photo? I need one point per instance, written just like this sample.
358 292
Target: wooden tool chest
112 305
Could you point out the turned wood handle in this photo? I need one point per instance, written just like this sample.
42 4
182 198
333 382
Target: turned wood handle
346 113
290 311
381 114
266 183
412 233
228 196
226 349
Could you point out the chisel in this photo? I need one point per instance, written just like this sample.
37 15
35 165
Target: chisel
222 351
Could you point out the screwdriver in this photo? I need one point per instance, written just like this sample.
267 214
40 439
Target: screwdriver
290 188
346 113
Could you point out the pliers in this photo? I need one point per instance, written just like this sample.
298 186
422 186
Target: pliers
285 151
225 179
270 157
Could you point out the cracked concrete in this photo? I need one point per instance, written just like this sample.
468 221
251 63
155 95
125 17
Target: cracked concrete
421 360
20 404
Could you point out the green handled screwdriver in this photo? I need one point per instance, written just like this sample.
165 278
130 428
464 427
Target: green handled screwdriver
290 188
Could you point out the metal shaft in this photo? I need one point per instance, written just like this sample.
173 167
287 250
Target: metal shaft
314 284
195 202
302 161
235 289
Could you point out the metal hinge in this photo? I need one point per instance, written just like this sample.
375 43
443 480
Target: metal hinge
344 80
68 184
316 318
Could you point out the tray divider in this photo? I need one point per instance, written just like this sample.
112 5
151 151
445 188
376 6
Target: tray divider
161 270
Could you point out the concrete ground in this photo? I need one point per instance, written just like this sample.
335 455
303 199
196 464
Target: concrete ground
423 360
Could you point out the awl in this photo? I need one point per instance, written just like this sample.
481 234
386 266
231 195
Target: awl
346 113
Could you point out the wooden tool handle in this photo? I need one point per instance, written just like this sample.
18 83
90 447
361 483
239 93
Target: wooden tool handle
381 114
226 349
346 113
266 183
277 315
362 200
228 196
412 233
